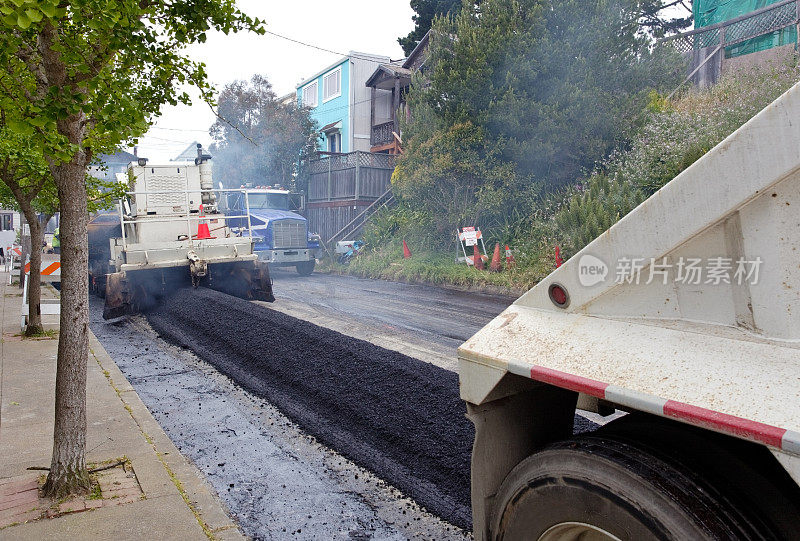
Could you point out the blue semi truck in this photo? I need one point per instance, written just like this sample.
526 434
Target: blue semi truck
282 236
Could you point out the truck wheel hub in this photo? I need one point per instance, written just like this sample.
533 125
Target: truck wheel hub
576 531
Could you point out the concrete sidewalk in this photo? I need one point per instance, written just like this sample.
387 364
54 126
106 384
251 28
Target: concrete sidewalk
163 497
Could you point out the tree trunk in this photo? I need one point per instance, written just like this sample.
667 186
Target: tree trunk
68 474
35 282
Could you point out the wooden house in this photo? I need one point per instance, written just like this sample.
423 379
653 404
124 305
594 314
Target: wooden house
388 85
345 188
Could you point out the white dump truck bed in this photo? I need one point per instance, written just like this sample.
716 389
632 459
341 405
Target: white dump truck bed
720 351
734 384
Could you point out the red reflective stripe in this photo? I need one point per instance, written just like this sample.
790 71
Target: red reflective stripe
569 381
51 268
723 422
27 267
738 426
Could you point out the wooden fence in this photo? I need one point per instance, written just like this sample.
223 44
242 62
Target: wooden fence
341 186
356 175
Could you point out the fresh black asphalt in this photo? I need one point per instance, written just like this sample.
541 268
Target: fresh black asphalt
397 416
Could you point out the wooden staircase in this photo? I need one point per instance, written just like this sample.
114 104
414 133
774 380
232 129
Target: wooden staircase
385 200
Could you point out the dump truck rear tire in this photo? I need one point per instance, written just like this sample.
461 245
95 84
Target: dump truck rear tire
596 488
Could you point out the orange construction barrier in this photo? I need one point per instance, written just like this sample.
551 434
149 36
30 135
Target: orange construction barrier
53 269
509 258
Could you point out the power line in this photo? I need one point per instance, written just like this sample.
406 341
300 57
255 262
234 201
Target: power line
299 42
349 55
177 129
184 142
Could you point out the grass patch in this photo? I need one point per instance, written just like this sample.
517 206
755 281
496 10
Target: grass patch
41 335
437 269
95 493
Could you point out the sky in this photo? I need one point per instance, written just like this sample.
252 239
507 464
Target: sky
367 26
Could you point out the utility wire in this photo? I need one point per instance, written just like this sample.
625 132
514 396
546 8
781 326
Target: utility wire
177 129
303 43
350 55
184 142
331 110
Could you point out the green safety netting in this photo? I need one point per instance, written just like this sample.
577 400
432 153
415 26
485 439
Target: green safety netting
708 12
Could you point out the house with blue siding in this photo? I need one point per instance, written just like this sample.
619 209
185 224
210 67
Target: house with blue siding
340 102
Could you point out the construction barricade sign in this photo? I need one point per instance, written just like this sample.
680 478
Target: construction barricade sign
470 237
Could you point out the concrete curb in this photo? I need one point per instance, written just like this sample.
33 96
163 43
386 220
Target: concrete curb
176 503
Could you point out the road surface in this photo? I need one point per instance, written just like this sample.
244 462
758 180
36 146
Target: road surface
303 429
424 322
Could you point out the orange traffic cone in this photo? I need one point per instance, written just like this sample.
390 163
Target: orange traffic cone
495 265
509 258
202 227
477 259
406 251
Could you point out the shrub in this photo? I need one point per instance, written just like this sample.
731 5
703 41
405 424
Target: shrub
675 134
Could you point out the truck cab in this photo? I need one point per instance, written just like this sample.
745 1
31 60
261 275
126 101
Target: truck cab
281 236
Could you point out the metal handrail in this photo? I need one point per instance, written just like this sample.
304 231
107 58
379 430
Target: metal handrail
380 202
188 216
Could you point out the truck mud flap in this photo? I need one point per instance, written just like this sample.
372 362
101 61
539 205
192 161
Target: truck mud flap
246 280
263 282
117 296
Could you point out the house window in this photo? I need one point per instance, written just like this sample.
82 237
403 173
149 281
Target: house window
334 142
310 95
7 225
332 85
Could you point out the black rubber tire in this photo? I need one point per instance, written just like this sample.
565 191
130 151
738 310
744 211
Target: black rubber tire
747 474
616 487
305 268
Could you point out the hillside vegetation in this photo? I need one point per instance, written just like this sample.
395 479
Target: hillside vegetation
549 153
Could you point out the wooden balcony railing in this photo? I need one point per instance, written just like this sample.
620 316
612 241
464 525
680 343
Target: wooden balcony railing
352 176
382 134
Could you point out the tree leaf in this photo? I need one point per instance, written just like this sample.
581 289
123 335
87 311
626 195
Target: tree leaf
48 9
33 15
23 21
22 128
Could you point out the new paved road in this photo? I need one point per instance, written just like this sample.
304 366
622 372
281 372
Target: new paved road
424 322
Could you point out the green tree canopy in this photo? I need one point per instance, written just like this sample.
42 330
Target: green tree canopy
78 77
425 12
258 139
569 89
522 97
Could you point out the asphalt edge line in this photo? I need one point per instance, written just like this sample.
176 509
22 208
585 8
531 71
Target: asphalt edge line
209 533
